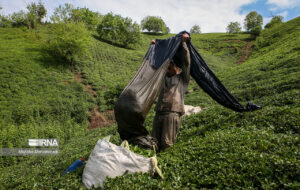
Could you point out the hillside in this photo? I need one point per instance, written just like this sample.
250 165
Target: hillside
217 148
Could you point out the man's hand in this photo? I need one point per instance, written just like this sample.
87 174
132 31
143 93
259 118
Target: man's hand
185 37
152 42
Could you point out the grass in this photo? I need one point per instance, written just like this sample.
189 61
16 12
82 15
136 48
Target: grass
217 148
39 96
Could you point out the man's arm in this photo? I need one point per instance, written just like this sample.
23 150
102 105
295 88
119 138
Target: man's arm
186 59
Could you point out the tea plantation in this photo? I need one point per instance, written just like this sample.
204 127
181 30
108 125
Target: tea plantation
217 148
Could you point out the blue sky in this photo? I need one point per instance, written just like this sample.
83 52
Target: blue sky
210 15
267 8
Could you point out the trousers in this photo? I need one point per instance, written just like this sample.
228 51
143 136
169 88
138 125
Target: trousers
165 128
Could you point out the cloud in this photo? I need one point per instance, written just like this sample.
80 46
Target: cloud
284 14
283 4
274 8
266 20
12 6
210 15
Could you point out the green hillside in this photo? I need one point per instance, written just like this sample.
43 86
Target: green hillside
217 148
35 99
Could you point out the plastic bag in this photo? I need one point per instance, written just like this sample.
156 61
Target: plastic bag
110 160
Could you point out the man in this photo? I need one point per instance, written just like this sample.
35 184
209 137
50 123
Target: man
170 105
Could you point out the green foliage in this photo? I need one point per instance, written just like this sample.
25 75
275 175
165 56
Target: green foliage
233 28
46 171
154 24
68 40
5 21
34 16
119 30
274 21
90 18
278 33
41 12
225 48
167 30
222 149
230 158
110 96
39 97
62 13
19 19
36 12
256 31
195 29
252 20
215 149
67 13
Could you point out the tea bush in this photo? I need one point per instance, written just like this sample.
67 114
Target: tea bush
217 148
39 97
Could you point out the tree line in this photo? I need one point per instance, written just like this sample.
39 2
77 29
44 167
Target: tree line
70 28
253 24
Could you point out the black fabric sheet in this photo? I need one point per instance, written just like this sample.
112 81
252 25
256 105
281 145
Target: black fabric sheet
139 95
205 78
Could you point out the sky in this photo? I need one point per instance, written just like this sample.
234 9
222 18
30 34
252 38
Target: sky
179 15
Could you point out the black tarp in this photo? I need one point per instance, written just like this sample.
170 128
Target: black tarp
137 98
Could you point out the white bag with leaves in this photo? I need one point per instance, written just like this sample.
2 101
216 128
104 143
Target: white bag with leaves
110 160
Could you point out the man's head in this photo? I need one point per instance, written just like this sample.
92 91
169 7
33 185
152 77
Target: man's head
172 69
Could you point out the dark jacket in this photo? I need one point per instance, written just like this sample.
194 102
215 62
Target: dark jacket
171 97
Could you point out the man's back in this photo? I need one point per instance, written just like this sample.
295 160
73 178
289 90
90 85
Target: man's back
171 97
170 105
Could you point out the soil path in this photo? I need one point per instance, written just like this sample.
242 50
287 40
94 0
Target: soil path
97 118
248 50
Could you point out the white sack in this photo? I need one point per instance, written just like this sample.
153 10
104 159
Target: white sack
110 160
191 109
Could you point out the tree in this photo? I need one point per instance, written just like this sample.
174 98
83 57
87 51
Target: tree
41 12
62 13
68 40
195 29
233 28
275 21
154 24
36 12
19 19
32 14
256 31
252 20
167 30
4 20
119 30
90 18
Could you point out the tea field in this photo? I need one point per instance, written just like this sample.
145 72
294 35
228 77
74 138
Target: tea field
216 149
